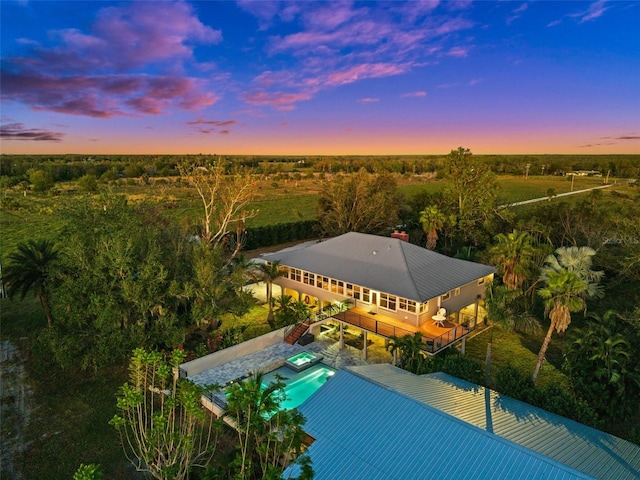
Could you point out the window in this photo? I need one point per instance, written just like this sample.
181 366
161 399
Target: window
309 278
408 305
388 301
349 292
296 275
285 272
424 307
356 292
319 282
366 295
446 296
325 283
340 287
334 285
456 292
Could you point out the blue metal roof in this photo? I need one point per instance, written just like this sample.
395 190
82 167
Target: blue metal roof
364 431
583 448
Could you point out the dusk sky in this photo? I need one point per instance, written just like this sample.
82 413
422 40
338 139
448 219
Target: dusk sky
269 77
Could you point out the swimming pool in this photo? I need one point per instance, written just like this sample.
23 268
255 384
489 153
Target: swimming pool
300 386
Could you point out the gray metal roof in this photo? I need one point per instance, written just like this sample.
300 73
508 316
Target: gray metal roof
385 264
586 449
363 430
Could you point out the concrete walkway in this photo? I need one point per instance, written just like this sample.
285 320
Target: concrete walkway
542 199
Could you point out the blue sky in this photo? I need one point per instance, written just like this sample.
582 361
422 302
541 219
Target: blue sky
269 77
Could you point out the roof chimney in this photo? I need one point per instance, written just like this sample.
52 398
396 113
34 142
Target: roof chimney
400 236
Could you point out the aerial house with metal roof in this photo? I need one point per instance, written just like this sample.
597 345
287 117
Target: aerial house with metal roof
384 286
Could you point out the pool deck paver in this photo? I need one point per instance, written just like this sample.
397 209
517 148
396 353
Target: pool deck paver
272 357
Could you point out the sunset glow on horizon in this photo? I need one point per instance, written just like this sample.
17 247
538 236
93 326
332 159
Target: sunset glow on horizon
320 78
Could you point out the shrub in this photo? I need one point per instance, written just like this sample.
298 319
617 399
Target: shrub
41 180
88 183
464 367
510 381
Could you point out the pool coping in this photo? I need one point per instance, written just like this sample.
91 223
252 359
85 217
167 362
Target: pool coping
300 368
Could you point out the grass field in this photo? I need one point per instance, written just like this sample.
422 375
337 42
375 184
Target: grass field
520 351
38 215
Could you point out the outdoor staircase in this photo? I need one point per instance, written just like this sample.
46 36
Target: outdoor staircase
294 336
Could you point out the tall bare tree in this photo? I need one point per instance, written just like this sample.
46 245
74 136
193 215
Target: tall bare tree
225 195
360 202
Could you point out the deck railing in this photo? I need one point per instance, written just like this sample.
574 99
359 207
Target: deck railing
430 345
332 310
372 325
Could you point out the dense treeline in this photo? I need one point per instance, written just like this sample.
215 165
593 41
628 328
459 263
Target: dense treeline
16 168
279 233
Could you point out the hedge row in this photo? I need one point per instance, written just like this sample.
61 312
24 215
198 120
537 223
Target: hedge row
268 235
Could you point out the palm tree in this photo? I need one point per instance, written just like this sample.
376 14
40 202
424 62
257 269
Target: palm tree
513 254
432 220
27 270
410 347
290 311
269 272
568 281
505 309
270 437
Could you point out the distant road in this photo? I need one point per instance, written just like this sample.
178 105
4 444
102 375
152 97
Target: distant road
541 199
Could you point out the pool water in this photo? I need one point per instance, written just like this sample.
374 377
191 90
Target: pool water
300 386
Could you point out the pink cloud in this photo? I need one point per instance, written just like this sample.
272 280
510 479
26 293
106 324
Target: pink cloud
367 70
216 123
99 74
453 25
103 96
341 43
363 32
17 131
265 11
278 100
595 10
459 4
458 52
329 16
369 100
418 8
417 94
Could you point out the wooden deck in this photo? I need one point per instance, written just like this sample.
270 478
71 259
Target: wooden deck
435 337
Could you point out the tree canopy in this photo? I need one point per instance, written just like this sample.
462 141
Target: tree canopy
361 202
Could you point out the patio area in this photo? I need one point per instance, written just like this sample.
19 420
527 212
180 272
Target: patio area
435 336
274 356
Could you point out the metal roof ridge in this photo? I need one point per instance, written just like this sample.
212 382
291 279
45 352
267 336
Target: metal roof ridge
418 293
468 425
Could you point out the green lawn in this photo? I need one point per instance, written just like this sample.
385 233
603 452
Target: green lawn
520 351
516 189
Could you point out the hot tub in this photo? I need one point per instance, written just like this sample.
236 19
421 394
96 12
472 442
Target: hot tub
302 361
